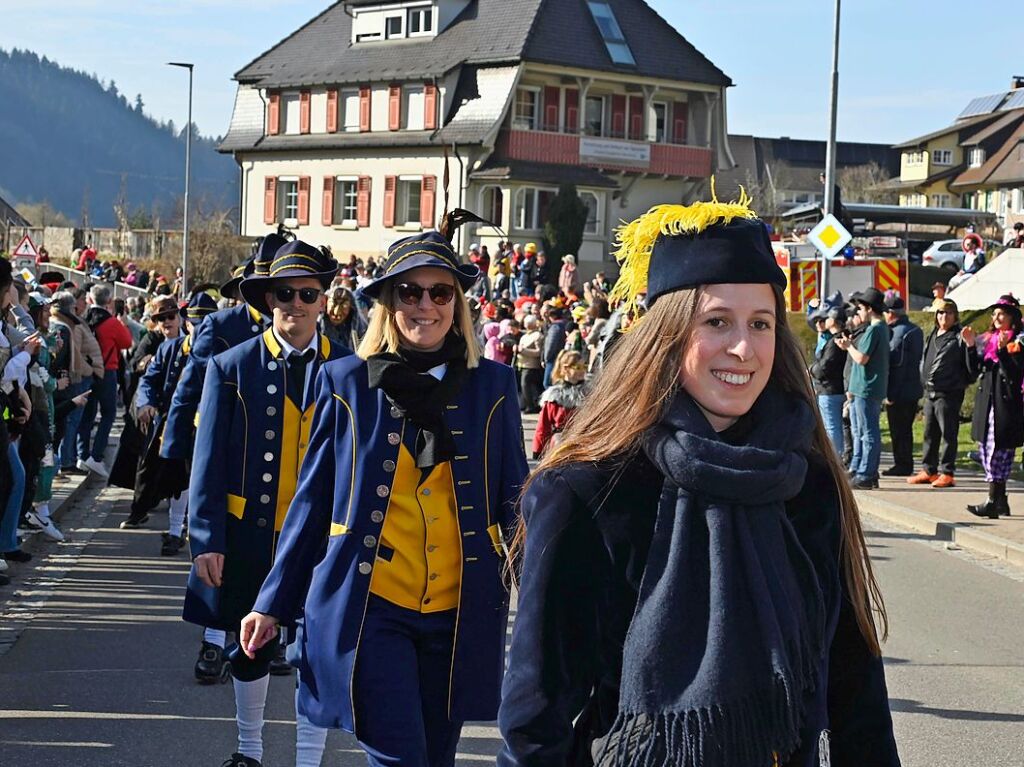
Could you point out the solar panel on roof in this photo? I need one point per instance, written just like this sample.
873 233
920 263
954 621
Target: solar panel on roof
982 106
1016 101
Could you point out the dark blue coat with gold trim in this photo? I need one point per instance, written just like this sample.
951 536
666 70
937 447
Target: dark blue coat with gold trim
242 477
217 333
157 385
343 497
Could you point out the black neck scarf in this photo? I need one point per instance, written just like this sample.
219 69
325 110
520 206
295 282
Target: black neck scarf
422 398
729 628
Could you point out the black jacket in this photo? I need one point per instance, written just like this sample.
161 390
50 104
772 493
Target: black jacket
906 345
827 369
554 341
949 365
1000 391
589 528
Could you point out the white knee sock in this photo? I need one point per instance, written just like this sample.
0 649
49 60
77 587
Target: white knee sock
250 700
215 636
176 514
310 741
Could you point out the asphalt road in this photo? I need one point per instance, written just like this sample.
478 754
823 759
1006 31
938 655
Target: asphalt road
96 665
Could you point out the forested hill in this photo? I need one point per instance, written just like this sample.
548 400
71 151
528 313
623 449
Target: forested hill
67 138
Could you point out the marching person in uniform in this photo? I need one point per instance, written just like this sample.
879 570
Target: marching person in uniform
253 432
225 330
415 463
695 587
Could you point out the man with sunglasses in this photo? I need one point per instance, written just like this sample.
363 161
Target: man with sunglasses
255 418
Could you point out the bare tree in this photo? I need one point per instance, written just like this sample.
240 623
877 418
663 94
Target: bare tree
866 183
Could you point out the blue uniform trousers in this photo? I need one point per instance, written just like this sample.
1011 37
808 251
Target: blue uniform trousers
401 687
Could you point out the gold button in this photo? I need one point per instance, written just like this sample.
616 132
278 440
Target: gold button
389 466
271 365
271 389
365 568
369 541
271 411
269 434
394 438
382 491
377 516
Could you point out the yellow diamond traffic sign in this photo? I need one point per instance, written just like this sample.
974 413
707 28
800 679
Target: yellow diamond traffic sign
829 236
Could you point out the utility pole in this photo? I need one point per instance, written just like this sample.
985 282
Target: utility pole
188 179
830 152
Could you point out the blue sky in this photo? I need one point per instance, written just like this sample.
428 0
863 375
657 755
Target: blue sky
902 71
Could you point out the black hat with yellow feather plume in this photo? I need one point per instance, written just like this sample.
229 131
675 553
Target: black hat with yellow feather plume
672 247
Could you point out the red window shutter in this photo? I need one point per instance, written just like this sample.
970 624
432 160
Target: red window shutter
395 107
428 191
572 110
618 116
304 200
680 111
430 106
332 111
328 207
390 187
552 96
274 114
636 118
270 199
364 109
304 112
363 201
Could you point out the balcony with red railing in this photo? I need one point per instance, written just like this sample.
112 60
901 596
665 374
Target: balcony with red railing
612 154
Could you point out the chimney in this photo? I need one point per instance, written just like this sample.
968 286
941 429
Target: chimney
1016 82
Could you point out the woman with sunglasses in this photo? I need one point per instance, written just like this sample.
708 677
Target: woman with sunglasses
414 465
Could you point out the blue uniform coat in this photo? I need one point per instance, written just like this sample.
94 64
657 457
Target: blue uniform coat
217 333
157 385
343 497
236 471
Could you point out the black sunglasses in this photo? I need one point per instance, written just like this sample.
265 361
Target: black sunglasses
286 295
411 293
165 316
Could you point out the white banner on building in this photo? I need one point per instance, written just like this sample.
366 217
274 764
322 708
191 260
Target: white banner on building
599 150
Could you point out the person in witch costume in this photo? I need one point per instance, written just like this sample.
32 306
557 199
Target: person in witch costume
998 421
415 464
695 588
255 417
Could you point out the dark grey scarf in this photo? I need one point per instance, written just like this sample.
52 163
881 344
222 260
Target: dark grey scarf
728 632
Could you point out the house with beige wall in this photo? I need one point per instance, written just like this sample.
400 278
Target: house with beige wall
346 130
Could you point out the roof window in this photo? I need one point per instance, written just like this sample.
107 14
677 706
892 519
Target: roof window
614 40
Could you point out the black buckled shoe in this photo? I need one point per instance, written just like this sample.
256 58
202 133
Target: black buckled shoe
171 545
212 667
279 666
237 760
135 521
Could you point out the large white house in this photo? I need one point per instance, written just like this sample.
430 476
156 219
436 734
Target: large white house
346 129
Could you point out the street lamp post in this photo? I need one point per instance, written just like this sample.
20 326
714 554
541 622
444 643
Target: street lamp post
188 179
830 152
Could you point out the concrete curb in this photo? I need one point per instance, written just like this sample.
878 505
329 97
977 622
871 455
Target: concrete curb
961 533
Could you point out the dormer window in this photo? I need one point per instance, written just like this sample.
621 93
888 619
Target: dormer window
395 21
976 157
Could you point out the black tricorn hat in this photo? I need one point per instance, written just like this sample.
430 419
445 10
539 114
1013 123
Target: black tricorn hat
674 247
294 259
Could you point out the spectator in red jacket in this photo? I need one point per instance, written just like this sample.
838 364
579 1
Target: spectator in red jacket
560 400
113 337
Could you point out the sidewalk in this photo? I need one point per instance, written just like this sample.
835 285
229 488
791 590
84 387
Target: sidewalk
942 514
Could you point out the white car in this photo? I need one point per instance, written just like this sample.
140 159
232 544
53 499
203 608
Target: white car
947 254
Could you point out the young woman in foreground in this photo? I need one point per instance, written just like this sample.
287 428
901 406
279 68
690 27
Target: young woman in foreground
695 586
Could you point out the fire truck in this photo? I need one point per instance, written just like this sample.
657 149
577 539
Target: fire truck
879 262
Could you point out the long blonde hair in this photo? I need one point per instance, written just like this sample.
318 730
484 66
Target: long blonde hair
637 384
383 336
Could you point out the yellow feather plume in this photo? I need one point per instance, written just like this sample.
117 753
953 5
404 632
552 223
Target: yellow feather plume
635 241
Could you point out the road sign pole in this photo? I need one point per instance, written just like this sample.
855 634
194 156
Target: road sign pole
830 152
